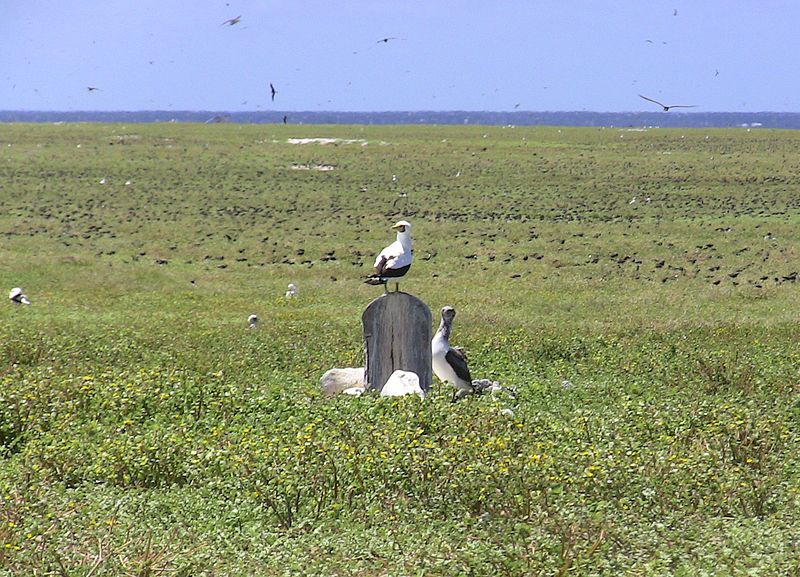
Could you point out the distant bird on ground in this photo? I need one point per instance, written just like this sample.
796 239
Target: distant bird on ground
285 118
400 195
291 291
272 91
449 363
16 297
665 107
232 21
252 322
92 88
395 260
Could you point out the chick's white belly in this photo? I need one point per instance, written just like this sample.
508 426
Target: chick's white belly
442 369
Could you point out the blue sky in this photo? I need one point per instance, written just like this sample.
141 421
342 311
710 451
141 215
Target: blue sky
722 55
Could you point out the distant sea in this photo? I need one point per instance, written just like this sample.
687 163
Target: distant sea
788 120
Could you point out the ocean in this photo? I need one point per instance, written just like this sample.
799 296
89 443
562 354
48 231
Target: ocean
782 120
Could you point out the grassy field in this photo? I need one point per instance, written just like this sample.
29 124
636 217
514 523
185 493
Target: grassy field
638 288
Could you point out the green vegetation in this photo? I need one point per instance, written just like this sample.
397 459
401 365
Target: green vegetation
144 430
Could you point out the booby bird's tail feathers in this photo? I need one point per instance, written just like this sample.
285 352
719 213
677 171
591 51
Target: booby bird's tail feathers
375 280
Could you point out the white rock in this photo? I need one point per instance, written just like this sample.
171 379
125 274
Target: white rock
402 383
337 381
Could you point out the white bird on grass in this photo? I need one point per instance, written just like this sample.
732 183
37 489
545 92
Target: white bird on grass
291 291
395 260
252 322
449 363
17 298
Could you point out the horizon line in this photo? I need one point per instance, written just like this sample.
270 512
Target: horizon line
397 111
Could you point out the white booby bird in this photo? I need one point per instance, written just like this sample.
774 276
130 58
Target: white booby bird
291 290
449 363
16 297
395 260
252 322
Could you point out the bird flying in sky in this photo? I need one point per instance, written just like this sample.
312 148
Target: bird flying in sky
665 107
232 21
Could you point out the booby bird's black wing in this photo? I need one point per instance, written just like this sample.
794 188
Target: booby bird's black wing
383 272
380 266
377 277
388 258
457 360
654 101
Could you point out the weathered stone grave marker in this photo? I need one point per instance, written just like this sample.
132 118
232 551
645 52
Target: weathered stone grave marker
397 335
